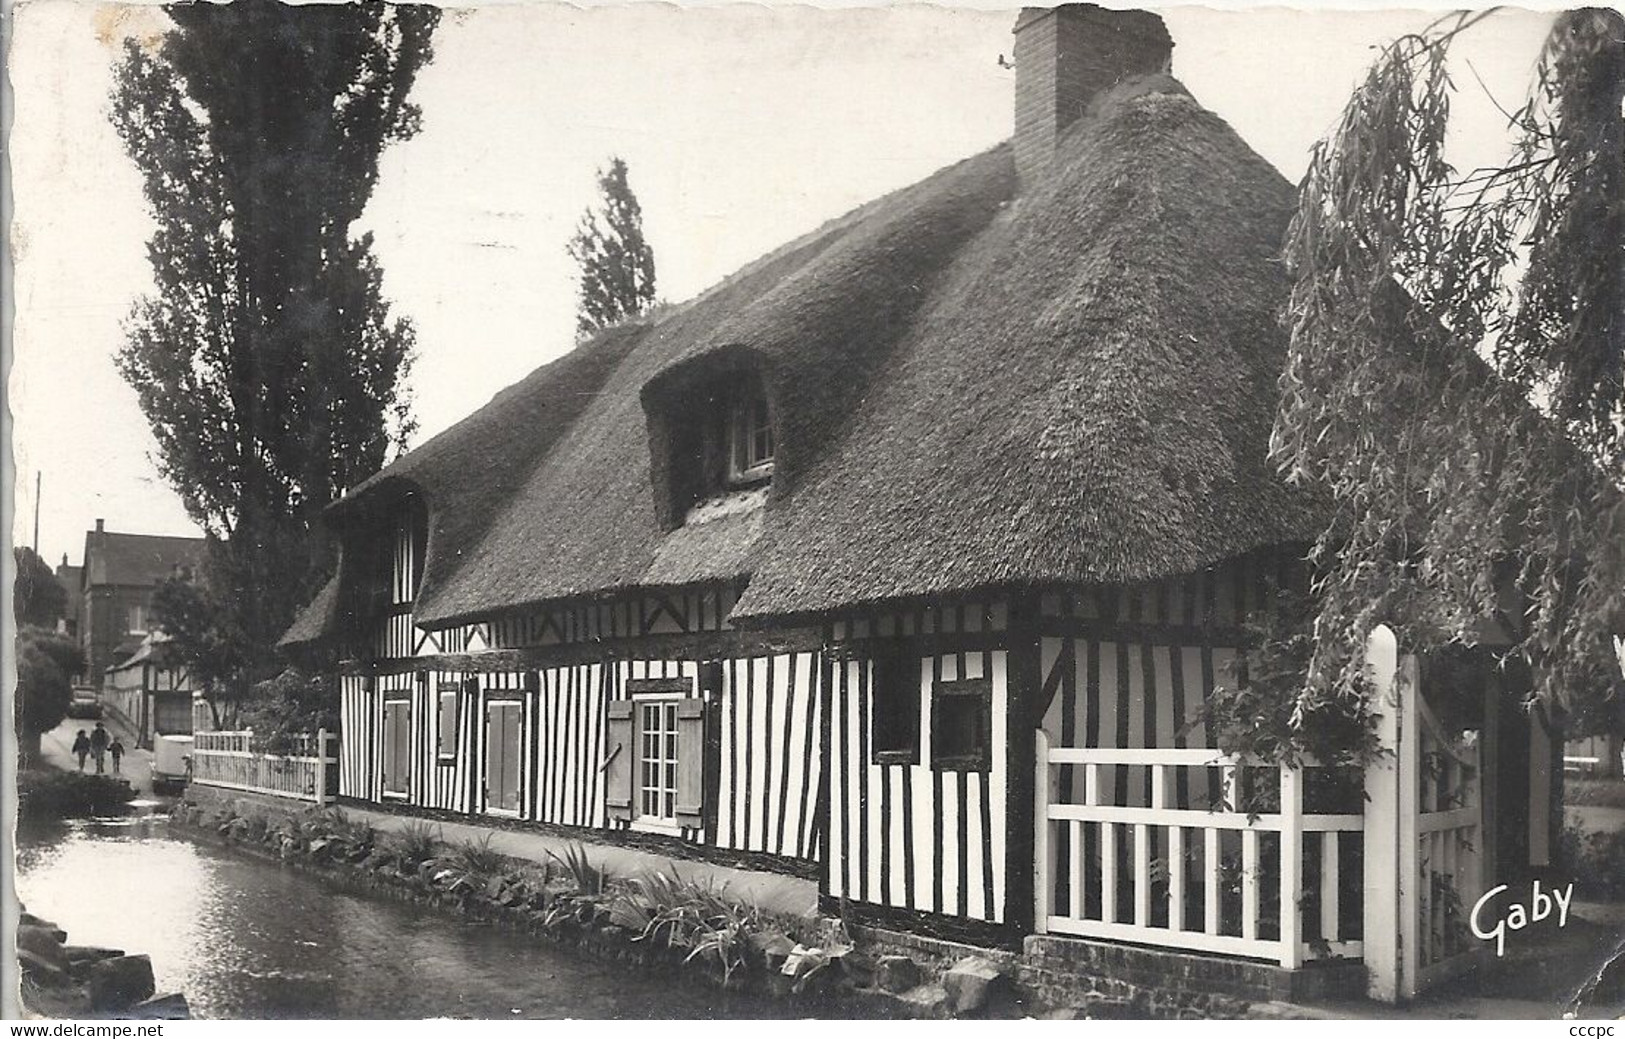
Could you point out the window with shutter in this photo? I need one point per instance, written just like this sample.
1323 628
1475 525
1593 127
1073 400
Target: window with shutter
446 724
665 739
619 752
397 763
690 763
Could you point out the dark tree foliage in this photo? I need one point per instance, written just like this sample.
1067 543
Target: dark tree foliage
266 359
45 662
1455 369
187 610
290 705
617 265
38 598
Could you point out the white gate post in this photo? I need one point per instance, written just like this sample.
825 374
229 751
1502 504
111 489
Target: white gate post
1044 873
1380 933
1291 867
321 768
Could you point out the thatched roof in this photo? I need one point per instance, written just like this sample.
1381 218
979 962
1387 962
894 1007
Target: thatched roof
1090 397
969 390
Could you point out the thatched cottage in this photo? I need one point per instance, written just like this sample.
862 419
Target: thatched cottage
904 557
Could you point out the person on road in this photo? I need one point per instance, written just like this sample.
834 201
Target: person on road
98 747
81 748
116 748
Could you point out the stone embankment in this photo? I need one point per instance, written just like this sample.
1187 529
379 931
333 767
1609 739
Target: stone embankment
662 922
86 981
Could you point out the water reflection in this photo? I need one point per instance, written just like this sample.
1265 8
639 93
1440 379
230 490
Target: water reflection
246 939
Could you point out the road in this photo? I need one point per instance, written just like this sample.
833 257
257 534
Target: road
57 747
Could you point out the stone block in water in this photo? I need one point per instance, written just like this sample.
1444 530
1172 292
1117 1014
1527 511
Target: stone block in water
120 982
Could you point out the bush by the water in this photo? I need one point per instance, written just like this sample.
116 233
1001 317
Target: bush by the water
53 794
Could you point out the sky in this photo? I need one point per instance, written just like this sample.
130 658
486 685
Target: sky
742 126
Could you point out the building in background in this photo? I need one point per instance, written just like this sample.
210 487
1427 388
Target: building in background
116 585
152 689
70 578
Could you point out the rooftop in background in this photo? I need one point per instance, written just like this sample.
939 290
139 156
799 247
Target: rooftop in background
136 559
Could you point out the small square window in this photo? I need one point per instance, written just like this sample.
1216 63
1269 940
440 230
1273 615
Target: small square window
962 725
894 698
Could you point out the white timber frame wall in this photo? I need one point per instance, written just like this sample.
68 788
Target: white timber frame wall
911 835
763 748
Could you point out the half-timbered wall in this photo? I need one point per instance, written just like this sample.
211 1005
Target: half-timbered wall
564 740
770 755
764 720
466 638
395 636
449 782
1131 667
679 612
912 836
359 726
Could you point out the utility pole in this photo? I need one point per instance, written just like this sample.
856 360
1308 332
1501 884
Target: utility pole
38 476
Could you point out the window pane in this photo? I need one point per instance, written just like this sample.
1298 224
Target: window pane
895 703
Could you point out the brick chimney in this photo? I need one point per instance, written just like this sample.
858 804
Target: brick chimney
99 525
1066 57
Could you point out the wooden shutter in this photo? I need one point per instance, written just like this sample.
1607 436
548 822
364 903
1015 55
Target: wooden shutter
622 753
446 723
690 762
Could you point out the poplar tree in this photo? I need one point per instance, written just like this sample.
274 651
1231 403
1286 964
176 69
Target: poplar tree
1454 375
617 265
266 358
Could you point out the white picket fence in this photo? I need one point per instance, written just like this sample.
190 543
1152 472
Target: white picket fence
227 759
1196 879
1207 867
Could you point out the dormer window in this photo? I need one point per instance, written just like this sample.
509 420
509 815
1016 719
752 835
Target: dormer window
713 437
750 438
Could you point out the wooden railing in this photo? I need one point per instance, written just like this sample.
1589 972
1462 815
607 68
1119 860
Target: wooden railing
1195 878
227 759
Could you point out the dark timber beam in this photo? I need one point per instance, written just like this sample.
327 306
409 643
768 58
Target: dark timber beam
1024 709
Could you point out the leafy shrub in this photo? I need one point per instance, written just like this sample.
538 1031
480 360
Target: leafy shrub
1596 860
45 660
53 794
696 916
478 858
588 879
1261 707
1606 792
416 842
288 707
